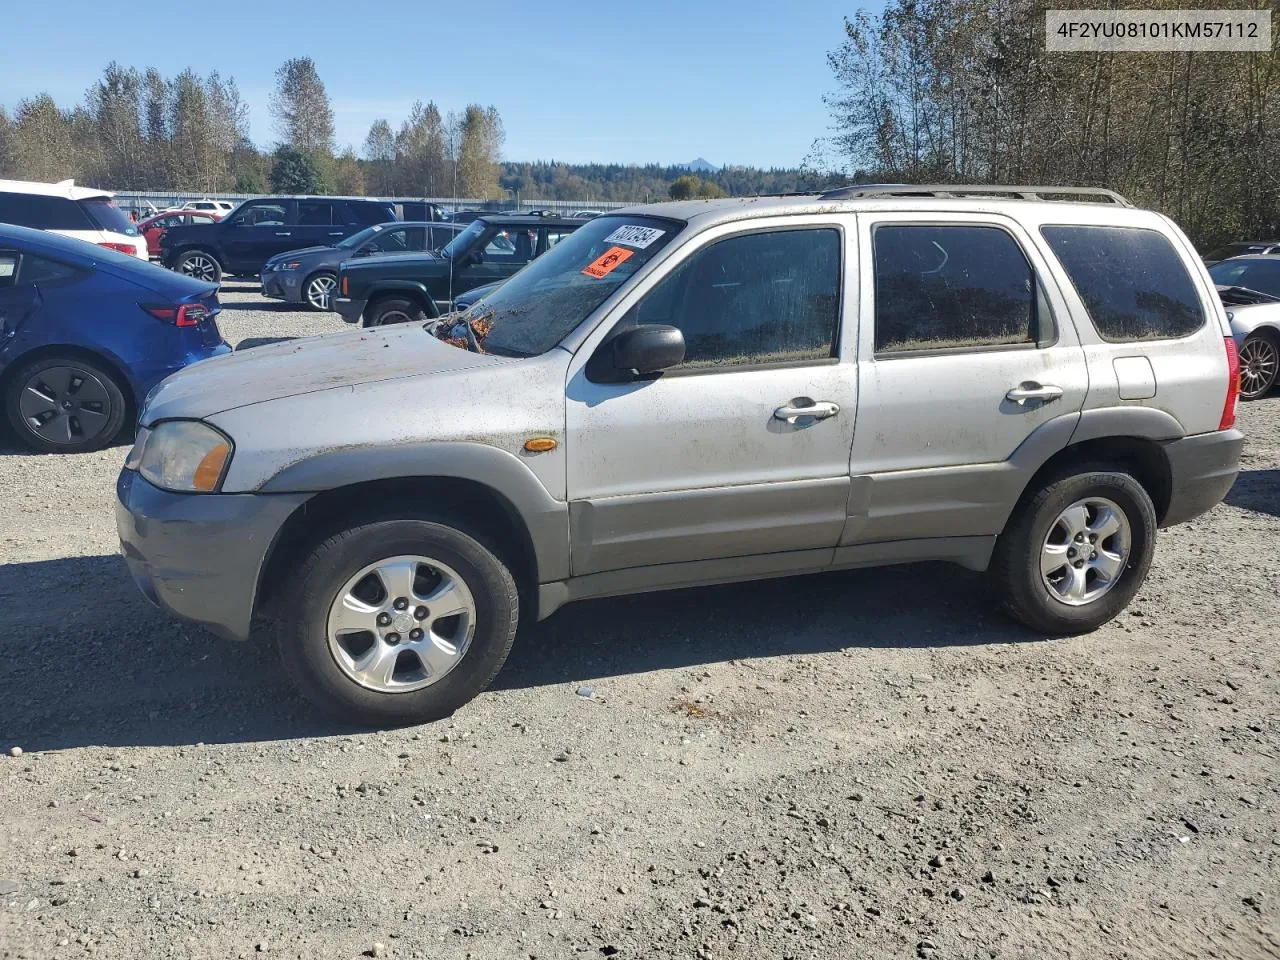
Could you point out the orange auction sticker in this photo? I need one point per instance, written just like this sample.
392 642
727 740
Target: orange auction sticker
607 262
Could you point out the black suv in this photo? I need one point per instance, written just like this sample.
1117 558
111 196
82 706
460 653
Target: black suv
397 289
259 229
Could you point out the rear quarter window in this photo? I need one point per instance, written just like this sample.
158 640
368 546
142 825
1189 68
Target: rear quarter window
1132 281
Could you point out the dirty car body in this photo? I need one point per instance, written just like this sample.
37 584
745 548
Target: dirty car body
667 399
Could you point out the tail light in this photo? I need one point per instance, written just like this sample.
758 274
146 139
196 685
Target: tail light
180 315
120 247
1233 386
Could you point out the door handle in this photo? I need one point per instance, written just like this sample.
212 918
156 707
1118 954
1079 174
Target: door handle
335 233
1030 390
819 410
284 234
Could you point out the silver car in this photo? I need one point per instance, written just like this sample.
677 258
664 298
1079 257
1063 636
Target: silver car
1250 290
692 393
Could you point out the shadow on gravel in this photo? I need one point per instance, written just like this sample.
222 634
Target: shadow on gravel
84 660
1257 490
262 306
248 343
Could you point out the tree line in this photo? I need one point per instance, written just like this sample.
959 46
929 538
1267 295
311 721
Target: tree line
139 130
963 91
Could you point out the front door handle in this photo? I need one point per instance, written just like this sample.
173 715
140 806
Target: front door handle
284 234
335 233
804 407
1030 390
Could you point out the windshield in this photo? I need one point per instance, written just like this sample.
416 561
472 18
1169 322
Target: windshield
544 302
358 238
1260 275
107 216
463 240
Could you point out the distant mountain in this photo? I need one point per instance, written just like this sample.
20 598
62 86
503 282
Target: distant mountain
702 166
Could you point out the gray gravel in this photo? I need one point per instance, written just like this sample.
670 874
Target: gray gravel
852 765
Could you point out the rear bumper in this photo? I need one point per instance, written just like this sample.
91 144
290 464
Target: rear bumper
1202 469
350 310
199 556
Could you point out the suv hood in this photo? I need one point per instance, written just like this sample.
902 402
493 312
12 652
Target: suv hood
307 365
384 260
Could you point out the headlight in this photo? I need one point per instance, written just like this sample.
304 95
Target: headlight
185 456
291 265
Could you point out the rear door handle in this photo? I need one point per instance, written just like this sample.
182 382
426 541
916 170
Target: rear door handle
1030 390
284 234
804 407
335 233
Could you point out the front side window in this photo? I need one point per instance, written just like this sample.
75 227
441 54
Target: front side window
263 214
1131 280
8 268
388 241
941 287
511 245
759 298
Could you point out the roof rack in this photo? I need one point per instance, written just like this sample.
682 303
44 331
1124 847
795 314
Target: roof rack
976 190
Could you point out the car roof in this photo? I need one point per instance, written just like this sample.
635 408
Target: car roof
66 189
524 220
311 196
1268 257
706 213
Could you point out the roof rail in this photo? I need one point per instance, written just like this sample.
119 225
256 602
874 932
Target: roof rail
975 190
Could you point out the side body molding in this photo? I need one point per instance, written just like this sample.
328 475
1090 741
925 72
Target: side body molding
546 518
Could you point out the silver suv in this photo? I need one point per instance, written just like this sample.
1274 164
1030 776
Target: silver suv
691 393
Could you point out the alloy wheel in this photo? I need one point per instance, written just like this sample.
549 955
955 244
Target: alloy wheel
65 404
1086 551
200 267
1259 361
320 291
401 624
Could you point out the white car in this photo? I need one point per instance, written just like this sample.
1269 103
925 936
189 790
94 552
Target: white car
83 213
219 207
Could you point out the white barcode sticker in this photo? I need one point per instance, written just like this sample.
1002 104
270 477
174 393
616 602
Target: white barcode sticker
633 236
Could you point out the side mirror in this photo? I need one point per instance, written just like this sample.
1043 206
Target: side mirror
647 348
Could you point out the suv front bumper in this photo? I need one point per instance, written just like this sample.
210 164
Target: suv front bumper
198 556
350 310
1202 469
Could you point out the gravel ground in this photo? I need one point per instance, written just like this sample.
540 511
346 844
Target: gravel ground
851 765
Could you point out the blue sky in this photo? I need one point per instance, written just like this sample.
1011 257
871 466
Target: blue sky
734 81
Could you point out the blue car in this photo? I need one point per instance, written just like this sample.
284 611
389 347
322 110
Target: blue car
86 332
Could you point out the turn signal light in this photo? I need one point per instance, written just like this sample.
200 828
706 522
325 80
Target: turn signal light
540 444
345 287
209 470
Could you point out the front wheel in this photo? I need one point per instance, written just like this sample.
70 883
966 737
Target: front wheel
1076 552
397 621
319 290
200 265
1259 363
395 310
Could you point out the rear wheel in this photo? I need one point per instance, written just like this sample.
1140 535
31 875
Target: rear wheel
396 621
1259 364
1076 552
200 265
65 405
395 310
318 290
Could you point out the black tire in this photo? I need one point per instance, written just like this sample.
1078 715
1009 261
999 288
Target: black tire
304 637
393 310
1016 564
200 265
1259 364
65 404
307 293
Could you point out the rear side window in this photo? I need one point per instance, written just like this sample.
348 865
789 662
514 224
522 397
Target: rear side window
39 270
942 287
314 214
1132 281
8 268
371 213
43 213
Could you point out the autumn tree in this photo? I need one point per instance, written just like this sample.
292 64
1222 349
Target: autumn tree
300 106
380 158
478 148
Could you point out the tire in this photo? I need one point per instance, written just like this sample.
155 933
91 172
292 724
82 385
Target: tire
317 292
397 687
392 310
199 265
1043 601
1259 365
65 404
